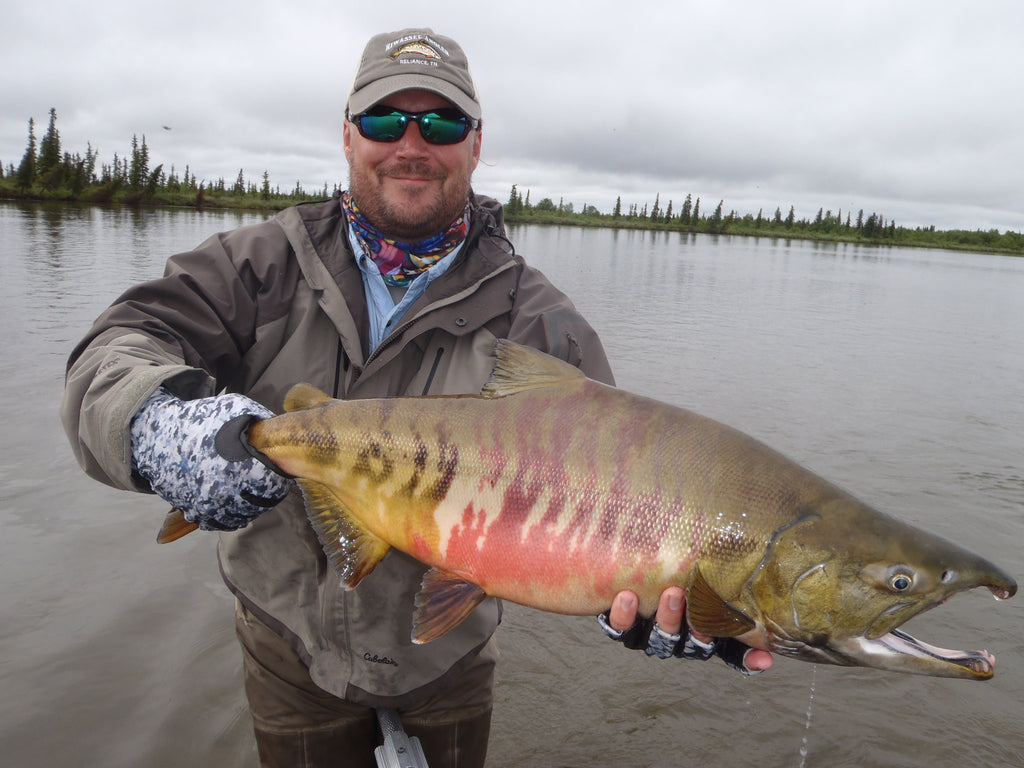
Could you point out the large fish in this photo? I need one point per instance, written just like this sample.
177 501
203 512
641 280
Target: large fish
556 492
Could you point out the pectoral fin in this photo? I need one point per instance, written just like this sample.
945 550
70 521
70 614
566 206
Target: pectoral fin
710 614
351 549
443 602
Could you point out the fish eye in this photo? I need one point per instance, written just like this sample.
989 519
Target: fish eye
900 580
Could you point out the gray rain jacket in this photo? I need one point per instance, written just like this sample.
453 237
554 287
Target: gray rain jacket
260 308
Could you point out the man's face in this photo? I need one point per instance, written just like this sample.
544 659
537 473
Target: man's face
410 189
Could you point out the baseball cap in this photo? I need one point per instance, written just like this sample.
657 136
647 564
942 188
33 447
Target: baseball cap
413 58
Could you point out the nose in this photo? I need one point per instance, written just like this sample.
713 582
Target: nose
412 141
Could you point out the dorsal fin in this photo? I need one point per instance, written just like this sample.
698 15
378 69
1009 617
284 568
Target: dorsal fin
303 396
519 369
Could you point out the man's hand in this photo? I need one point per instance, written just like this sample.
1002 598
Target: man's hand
194 454
669 637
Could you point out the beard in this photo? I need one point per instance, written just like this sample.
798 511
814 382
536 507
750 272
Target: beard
414 215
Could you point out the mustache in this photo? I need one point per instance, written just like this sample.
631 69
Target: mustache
414 169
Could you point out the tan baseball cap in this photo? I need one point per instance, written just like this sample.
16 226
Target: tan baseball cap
413 59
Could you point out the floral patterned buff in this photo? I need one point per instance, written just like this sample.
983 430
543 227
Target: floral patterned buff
400 263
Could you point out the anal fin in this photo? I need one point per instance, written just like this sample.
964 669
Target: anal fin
710 614
352 550
443 602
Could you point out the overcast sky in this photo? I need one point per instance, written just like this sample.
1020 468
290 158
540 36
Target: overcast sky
913 110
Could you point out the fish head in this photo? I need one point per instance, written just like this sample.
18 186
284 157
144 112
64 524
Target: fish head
836 585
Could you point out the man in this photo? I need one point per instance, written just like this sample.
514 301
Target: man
399 286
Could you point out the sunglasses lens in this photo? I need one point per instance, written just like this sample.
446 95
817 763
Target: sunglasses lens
443 126
387 126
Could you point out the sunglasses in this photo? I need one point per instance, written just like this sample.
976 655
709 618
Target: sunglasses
437 126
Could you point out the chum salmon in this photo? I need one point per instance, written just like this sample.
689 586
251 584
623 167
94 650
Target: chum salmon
556 492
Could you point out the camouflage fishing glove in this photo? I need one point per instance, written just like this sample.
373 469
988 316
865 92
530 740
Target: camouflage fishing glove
194 454
645 635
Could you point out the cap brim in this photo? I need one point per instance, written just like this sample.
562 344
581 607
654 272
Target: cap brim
379 90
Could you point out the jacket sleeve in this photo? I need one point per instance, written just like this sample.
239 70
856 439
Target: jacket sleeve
188 331
545 318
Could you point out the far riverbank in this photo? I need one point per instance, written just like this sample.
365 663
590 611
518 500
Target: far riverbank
825 228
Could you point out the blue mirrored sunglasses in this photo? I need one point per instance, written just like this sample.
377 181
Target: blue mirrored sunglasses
437 126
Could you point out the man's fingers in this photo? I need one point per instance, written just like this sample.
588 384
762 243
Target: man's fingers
670 610
701 636
623 611
664 637
758 660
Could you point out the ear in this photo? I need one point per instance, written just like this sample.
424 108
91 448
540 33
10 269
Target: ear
477 140
346 133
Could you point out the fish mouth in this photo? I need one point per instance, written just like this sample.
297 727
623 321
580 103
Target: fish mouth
897 648
896 651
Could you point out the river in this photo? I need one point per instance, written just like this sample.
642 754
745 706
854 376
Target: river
896 373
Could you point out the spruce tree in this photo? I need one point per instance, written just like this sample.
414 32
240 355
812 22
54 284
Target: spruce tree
49 147
687 211
138 171
715 222
27 168
510 206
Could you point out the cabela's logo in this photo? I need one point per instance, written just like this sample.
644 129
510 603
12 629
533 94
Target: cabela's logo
379 659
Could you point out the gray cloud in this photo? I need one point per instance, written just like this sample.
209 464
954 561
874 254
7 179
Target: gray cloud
908 109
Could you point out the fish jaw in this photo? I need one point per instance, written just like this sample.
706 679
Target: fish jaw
897 650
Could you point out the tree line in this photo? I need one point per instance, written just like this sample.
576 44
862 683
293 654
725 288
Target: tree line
872 228
691 217
46 171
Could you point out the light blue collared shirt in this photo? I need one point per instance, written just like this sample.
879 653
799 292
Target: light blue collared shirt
385 314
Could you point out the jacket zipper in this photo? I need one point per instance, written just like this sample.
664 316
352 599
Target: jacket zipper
338 363
433 370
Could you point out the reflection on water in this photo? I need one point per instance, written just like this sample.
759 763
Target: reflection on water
898 374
